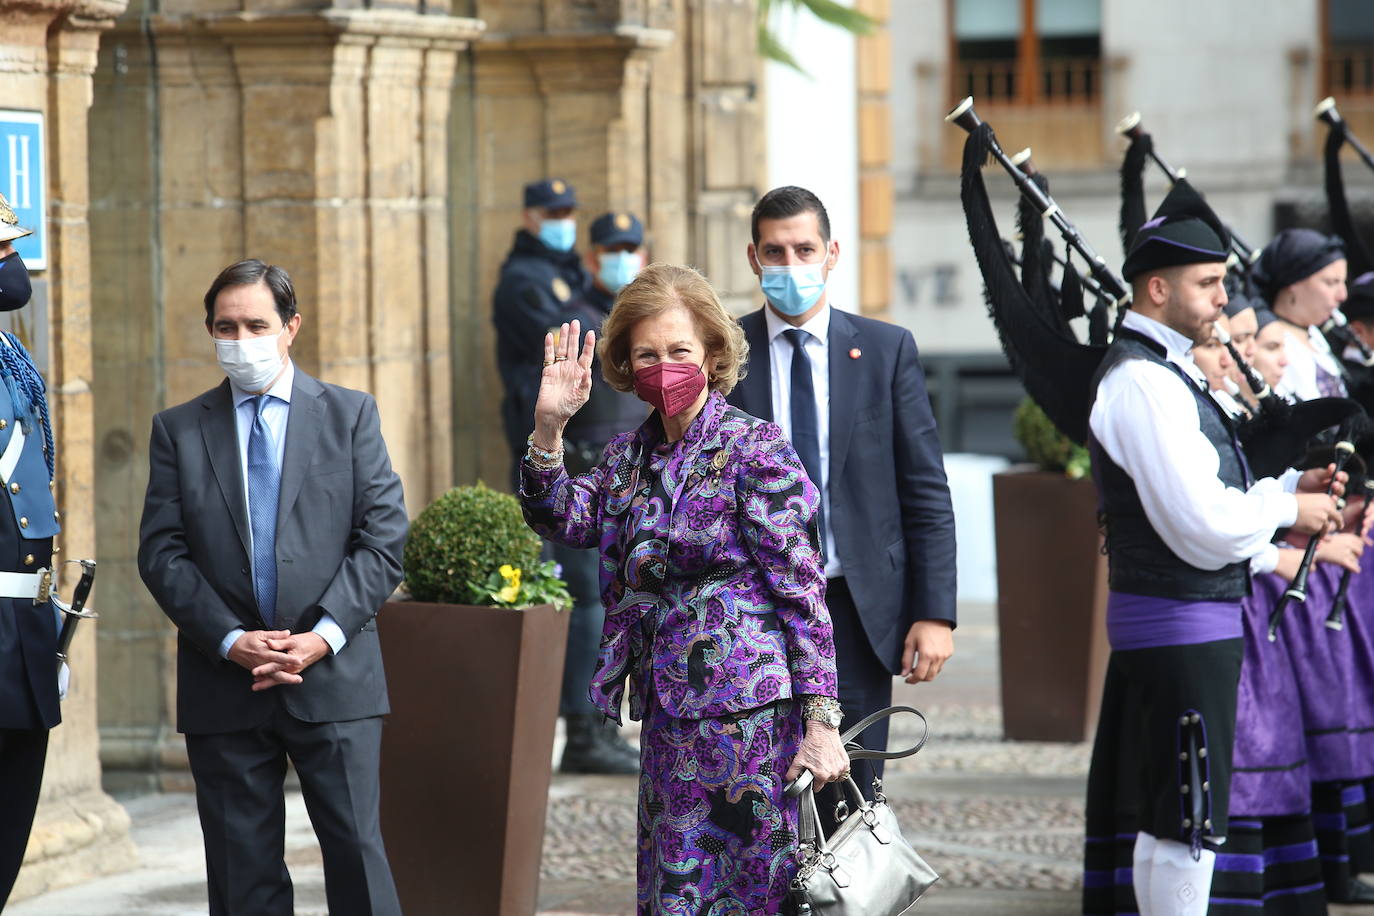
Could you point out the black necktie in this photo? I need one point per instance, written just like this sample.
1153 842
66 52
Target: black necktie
806 435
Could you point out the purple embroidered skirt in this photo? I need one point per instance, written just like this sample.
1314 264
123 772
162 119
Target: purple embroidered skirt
716 833
1271 775
1321 661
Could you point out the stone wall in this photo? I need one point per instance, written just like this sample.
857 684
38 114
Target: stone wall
645 106
47 54
379 156
315 140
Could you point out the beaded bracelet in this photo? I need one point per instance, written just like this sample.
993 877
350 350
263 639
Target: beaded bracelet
543 458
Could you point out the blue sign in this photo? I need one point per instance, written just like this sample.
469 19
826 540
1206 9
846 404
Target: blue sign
24 181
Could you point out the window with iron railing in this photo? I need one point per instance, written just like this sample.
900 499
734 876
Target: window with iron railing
1036 65
1347 67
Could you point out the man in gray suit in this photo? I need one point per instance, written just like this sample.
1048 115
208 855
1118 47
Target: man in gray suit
272 533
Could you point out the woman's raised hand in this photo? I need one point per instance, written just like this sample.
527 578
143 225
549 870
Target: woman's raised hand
566 383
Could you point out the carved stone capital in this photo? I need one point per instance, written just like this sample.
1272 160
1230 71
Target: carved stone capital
329 26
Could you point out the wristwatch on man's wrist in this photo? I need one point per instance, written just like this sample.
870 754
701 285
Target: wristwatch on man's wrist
825 710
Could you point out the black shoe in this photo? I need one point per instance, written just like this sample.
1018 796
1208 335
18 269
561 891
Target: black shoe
587 751
609 738
1357 892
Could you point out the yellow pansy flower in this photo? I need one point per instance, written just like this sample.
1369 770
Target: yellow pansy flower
512 590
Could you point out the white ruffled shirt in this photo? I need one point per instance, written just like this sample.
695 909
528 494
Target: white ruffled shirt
1300 375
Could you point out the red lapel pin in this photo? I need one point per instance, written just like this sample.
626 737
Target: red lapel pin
855 353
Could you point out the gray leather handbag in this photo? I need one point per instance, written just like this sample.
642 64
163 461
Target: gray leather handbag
865 867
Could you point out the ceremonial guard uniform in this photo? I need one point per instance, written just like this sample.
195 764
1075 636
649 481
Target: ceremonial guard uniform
1184 524
29 624
539 279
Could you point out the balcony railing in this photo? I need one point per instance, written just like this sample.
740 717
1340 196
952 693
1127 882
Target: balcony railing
1350 73
1349 76
1062 121
1069 80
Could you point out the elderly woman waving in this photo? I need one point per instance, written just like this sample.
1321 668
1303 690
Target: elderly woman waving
714 594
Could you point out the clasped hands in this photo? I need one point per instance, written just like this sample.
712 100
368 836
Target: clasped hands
277 656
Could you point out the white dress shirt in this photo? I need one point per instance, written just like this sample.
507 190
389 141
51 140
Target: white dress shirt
275 412
1147 421
780 352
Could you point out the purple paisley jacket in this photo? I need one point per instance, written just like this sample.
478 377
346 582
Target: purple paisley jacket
712 581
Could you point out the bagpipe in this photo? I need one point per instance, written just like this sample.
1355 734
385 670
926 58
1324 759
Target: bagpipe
1054 366
1130 127
1326 112
1357 255
1297 589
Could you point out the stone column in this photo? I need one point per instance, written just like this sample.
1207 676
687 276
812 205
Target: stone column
47 55
876 188
727 156
559 94
315 140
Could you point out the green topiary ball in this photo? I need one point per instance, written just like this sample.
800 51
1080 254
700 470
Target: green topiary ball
462 538
1045 445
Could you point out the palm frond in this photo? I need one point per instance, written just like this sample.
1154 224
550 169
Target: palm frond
771 47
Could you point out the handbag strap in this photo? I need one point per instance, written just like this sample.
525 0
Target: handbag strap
857 751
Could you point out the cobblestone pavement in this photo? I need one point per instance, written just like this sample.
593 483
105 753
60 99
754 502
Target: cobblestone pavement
1001 821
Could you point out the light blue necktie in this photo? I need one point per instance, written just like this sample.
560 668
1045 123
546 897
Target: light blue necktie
264 481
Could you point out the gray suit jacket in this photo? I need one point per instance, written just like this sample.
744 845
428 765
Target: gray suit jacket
341 525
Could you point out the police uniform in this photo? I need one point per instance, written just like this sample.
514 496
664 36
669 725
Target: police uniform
536 287
591 745
29 623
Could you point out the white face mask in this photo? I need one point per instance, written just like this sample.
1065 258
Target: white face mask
251 363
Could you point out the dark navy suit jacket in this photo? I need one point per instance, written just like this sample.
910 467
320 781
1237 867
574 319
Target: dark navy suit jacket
889 500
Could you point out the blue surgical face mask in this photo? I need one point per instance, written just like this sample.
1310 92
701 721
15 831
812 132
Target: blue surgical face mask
793 288
558 234
15 289
618 268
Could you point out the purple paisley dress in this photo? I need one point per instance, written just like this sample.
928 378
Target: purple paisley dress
715 615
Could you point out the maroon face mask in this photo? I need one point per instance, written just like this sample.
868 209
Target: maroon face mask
670 387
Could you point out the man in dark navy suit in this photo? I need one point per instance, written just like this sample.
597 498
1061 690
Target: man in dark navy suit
850 393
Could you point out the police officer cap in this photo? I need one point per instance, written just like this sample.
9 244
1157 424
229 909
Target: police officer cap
617 229
1184 230
9 223
550 193
1360 305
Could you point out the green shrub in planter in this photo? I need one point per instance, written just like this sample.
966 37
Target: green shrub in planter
472 546
1045 445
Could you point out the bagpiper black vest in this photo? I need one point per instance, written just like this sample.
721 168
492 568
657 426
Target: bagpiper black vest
1138 560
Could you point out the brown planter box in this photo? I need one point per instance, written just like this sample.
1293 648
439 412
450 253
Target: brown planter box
466 753
1051 604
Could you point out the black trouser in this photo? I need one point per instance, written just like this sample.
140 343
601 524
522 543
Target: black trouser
584 626
22 754
865 688
239 777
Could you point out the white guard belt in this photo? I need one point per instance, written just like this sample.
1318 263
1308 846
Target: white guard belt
36 586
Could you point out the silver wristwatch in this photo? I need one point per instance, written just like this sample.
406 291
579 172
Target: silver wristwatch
825 710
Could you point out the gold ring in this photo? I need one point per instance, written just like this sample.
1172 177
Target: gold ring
548 362
559 359
845 774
